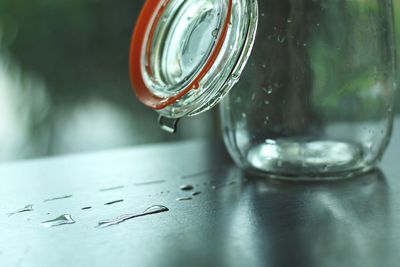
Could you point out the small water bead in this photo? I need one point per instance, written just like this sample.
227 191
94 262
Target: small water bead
196 85
270 142
111 188
114 202
186 187
266 121
183 199
235 77
268 90
57 198
196 193
61 220
215 33
281 39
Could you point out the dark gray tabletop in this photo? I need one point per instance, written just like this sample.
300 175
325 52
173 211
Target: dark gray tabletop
234 220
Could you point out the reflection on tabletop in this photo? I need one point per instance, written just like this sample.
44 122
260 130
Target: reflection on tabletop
342 223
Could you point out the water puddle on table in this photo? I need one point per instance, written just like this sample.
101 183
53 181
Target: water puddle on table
120 219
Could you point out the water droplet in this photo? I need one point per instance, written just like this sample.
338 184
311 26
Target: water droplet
196 193
24 209
111 188
235 76
281 39
264 65
183 199
270 142
186 187
244 115
150 183
215 32
151 210
58 198
266 102
262 14
196 85
61 220
86 208
113 202
268 90
266 120
289 20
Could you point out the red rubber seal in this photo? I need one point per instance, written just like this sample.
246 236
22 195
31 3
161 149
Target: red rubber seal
153 10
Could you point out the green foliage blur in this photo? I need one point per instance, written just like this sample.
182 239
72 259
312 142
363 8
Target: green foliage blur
65 65
64 81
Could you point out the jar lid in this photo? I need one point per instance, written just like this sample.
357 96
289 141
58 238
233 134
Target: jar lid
186 55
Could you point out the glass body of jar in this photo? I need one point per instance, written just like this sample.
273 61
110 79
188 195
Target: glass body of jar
315 98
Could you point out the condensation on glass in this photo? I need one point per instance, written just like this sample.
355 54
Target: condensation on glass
314 79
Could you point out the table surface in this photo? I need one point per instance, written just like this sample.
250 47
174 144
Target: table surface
235 220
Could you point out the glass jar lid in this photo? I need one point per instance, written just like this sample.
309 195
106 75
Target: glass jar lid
187 54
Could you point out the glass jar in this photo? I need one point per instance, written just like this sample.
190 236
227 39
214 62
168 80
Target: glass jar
316 95
315 79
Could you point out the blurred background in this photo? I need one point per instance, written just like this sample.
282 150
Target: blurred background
64 83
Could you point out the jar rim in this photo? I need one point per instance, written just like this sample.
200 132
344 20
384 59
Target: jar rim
194 93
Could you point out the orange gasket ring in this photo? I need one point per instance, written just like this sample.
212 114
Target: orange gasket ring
144 94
